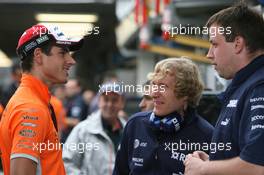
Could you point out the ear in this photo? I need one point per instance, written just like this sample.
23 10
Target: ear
239 44
37 56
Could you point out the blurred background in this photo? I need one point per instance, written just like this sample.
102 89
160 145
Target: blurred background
123 40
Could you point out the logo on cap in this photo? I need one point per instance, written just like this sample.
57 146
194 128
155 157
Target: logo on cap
30 45
42 39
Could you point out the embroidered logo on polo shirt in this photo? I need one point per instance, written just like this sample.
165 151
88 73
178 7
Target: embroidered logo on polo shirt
232 104
178 156
225 122
138 161
28 124
27 133
137 143
256 107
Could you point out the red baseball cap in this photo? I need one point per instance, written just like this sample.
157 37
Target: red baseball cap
39 35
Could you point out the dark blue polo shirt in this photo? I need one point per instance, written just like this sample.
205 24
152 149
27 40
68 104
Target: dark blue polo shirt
241 120
146 150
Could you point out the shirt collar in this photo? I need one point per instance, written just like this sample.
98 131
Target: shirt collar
245 72
36 85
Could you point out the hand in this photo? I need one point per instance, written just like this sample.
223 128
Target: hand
193 165
201 155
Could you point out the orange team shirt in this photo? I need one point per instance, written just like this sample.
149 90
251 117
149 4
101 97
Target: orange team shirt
1 110
27 130
59 112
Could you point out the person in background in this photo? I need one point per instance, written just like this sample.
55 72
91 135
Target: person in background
97 138
88 96
8 91
146 103
59 92
110 77
76 109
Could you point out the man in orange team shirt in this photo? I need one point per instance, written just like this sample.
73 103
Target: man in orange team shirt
28 128
1 110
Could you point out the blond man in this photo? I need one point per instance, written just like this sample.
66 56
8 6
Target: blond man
157 142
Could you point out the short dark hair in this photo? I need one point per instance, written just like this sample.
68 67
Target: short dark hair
26 62
244 22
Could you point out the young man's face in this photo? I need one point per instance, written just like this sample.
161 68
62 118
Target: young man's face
56 65
165 100
146 103
222 54
110 104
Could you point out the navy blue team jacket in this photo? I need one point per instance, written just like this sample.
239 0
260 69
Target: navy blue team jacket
241 120
146 150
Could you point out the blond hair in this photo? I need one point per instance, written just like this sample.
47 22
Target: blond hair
188 80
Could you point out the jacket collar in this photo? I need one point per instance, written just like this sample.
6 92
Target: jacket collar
37 86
